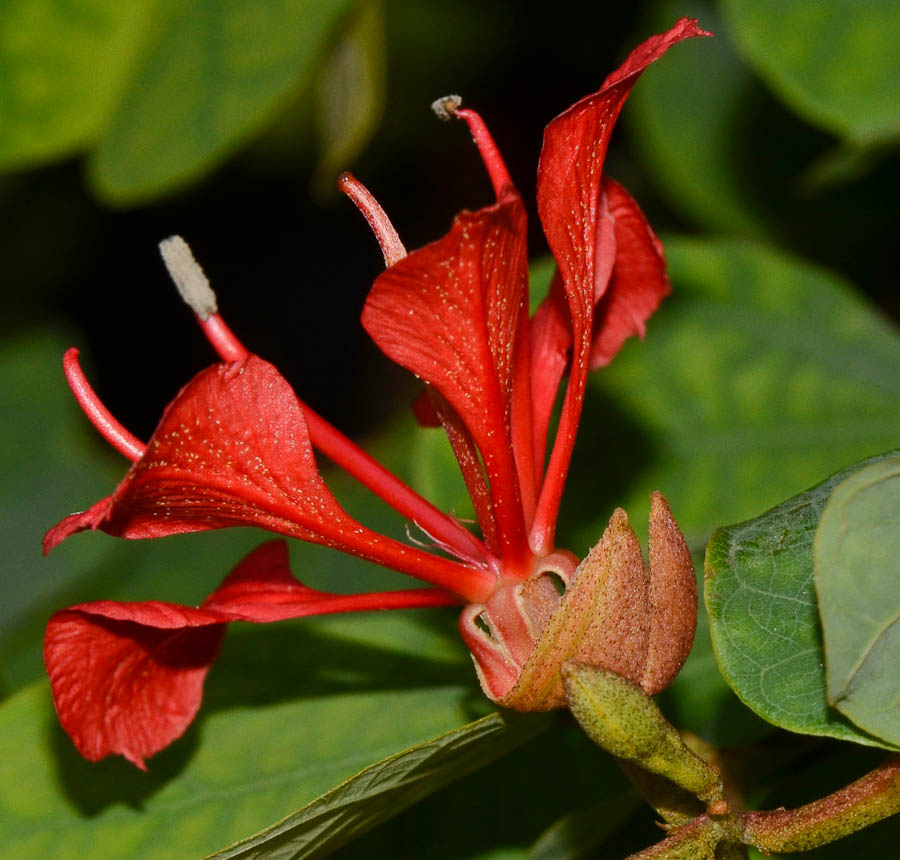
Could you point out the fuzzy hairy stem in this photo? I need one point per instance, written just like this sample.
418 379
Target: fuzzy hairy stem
860 804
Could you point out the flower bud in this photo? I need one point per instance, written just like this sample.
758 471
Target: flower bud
620 717
616 613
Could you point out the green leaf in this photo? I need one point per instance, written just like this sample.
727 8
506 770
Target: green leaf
499 812
857 563
387 787
833 62
350 92
216 73
290 711
64 66
761 600
759 375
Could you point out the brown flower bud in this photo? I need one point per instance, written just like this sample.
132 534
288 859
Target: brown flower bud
616 613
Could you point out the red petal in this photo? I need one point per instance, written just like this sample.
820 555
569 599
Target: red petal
233 449
450 312
262 589
582 237
571 165
638 283
74 523
127 678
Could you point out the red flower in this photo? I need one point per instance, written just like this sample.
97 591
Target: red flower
235 447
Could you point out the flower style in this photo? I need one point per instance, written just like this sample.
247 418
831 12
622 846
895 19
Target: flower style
235 447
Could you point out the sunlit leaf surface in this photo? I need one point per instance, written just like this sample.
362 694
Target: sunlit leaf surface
275 734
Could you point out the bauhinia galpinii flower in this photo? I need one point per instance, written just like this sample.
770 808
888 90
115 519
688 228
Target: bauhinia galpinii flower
235 447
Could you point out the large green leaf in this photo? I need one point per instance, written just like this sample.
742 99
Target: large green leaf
386 788
761 599
499 812
217 71
857 565
62 67
759 375
291 710
835 62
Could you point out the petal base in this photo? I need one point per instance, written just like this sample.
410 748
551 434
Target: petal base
617 613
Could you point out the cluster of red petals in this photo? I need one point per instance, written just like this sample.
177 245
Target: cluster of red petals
235 447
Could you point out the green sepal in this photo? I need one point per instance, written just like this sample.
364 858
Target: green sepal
620 717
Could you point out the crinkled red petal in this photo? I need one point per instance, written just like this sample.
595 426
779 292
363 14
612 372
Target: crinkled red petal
450 312
233 449
127 678
638 283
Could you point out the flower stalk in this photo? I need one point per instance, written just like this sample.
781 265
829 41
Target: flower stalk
862 803
618 716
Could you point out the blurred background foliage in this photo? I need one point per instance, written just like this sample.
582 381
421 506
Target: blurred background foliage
768 158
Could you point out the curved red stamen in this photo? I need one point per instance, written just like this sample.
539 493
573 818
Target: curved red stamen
490 155
384 231
107 426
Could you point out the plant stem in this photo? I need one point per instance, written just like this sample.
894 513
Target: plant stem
694 841
866 801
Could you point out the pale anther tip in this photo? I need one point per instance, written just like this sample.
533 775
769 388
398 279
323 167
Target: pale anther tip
185 271
446 107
